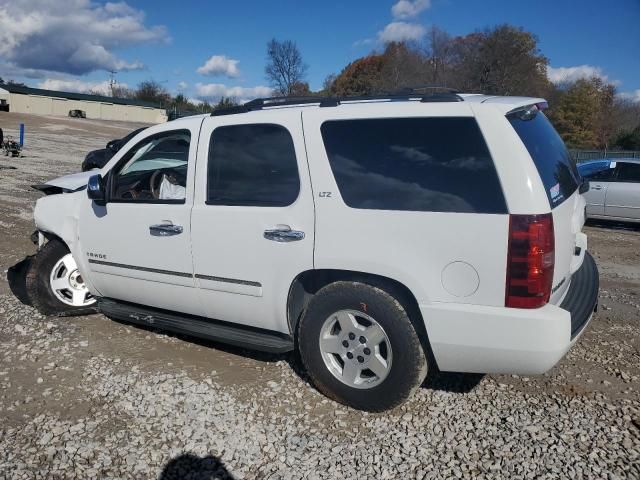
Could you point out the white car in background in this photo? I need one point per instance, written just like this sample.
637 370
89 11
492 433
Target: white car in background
614 192
380 237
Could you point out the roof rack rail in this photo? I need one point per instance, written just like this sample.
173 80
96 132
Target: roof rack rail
404 95
419 88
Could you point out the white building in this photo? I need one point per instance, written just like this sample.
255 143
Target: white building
49 102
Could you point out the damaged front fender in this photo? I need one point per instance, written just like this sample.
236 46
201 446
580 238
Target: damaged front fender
66 184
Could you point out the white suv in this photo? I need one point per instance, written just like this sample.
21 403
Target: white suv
379 237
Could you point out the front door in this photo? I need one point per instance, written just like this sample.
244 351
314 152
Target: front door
253 218
623 195
138 245
599 182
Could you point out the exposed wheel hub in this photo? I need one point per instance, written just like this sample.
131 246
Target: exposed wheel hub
75 280
68 285
355 349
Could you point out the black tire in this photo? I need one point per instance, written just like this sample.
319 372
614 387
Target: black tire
38 285
408 368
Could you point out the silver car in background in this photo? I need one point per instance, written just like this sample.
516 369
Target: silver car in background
614 192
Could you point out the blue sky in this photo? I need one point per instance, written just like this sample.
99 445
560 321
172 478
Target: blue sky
169 41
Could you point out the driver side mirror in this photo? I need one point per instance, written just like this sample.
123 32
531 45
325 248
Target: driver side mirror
114 146
96 190
584 186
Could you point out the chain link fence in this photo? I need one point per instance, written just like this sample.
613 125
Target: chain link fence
584 155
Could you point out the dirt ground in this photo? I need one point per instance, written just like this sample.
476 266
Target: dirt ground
44 375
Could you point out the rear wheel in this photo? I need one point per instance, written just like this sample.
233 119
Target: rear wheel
54 283
360 348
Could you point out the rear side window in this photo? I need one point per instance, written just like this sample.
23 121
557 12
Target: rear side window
550 155
438 164
252 165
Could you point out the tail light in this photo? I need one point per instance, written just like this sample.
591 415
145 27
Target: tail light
530 261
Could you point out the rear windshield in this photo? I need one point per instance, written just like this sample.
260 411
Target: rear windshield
557 171
439 164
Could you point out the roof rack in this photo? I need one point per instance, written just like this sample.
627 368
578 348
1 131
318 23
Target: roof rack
403 95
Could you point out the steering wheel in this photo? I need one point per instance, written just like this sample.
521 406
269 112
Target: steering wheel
154 182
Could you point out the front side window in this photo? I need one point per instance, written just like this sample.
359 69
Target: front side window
436 164
252 165
628 172
155 170
598 170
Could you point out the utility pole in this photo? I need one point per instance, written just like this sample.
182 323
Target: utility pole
112 80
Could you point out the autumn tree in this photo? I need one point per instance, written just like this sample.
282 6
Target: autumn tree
300 89
502 61
285 68
361 77
581 115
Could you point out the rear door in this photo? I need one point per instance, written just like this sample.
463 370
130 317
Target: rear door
253 217
561 179
623 195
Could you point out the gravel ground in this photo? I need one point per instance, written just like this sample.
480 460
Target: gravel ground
89 397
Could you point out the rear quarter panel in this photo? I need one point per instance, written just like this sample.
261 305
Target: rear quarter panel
411 247
525 194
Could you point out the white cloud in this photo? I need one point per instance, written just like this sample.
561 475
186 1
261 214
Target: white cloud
401 31
79 86
633 96
215 91
571 74
77 38
182 85
408 9
220 65
363 42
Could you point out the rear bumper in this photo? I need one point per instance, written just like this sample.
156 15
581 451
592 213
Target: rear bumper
581 299
483 339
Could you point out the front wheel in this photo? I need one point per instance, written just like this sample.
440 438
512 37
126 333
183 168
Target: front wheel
55 285
360 348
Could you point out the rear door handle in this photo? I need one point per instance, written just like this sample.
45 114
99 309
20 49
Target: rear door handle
165 230
283 233
596 187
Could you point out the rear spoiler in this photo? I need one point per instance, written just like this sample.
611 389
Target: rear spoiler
527 112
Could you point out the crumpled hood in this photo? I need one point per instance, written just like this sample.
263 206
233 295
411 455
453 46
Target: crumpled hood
71 182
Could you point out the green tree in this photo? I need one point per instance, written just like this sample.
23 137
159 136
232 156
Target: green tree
629 140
